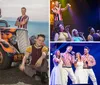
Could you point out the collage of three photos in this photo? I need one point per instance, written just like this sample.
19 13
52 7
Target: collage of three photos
49 42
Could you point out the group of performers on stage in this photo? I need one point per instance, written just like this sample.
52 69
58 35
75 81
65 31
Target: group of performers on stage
59 32
63 67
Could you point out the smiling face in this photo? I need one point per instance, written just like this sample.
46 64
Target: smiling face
78 55
61 27
23 11
40 41
86 51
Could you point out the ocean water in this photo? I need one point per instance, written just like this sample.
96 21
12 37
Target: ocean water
35 28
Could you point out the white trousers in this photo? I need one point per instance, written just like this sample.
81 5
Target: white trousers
68 72
92 76
81 76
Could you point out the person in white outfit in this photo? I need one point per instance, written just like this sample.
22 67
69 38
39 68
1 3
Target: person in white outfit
56 74
79 72
89 62
68 60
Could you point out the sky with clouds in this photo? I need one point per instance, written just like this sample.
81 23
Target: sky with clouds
37 10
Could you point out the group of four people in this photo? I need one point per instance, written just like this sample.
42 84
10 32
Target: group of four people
63 34
63 67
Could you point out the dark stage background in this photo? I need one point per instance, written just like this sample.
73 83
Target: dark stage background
79 47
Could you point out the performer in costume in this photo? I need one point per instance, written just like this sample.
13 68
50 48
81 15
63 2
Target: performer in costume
57 10
56 74
22 20
38 64
68 60
79 72
89 62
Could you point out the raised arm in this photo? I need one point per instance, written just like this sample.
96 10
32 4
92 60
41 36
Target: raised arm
56 60
73 59
82 37
56 37
90 38
54 11
69 36
65 8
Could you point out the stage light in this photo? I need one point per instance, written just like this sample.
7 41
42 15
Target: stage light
51 54
53 3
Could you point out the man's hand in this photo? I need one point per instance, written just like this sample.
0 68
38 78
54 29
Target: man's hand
68 5
81 33
59 5
39 62
22 67
22 23
67 28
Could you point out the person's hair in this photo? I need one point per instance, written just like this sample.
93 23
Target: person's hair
86 48
74 31
89 28
56 53
32 39
57 29
41 35
69 46
23 8
67 26
79 54
56 1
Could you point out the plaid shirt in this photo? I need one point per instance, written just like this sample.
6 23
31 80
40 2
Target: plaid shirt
67 59
88 61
